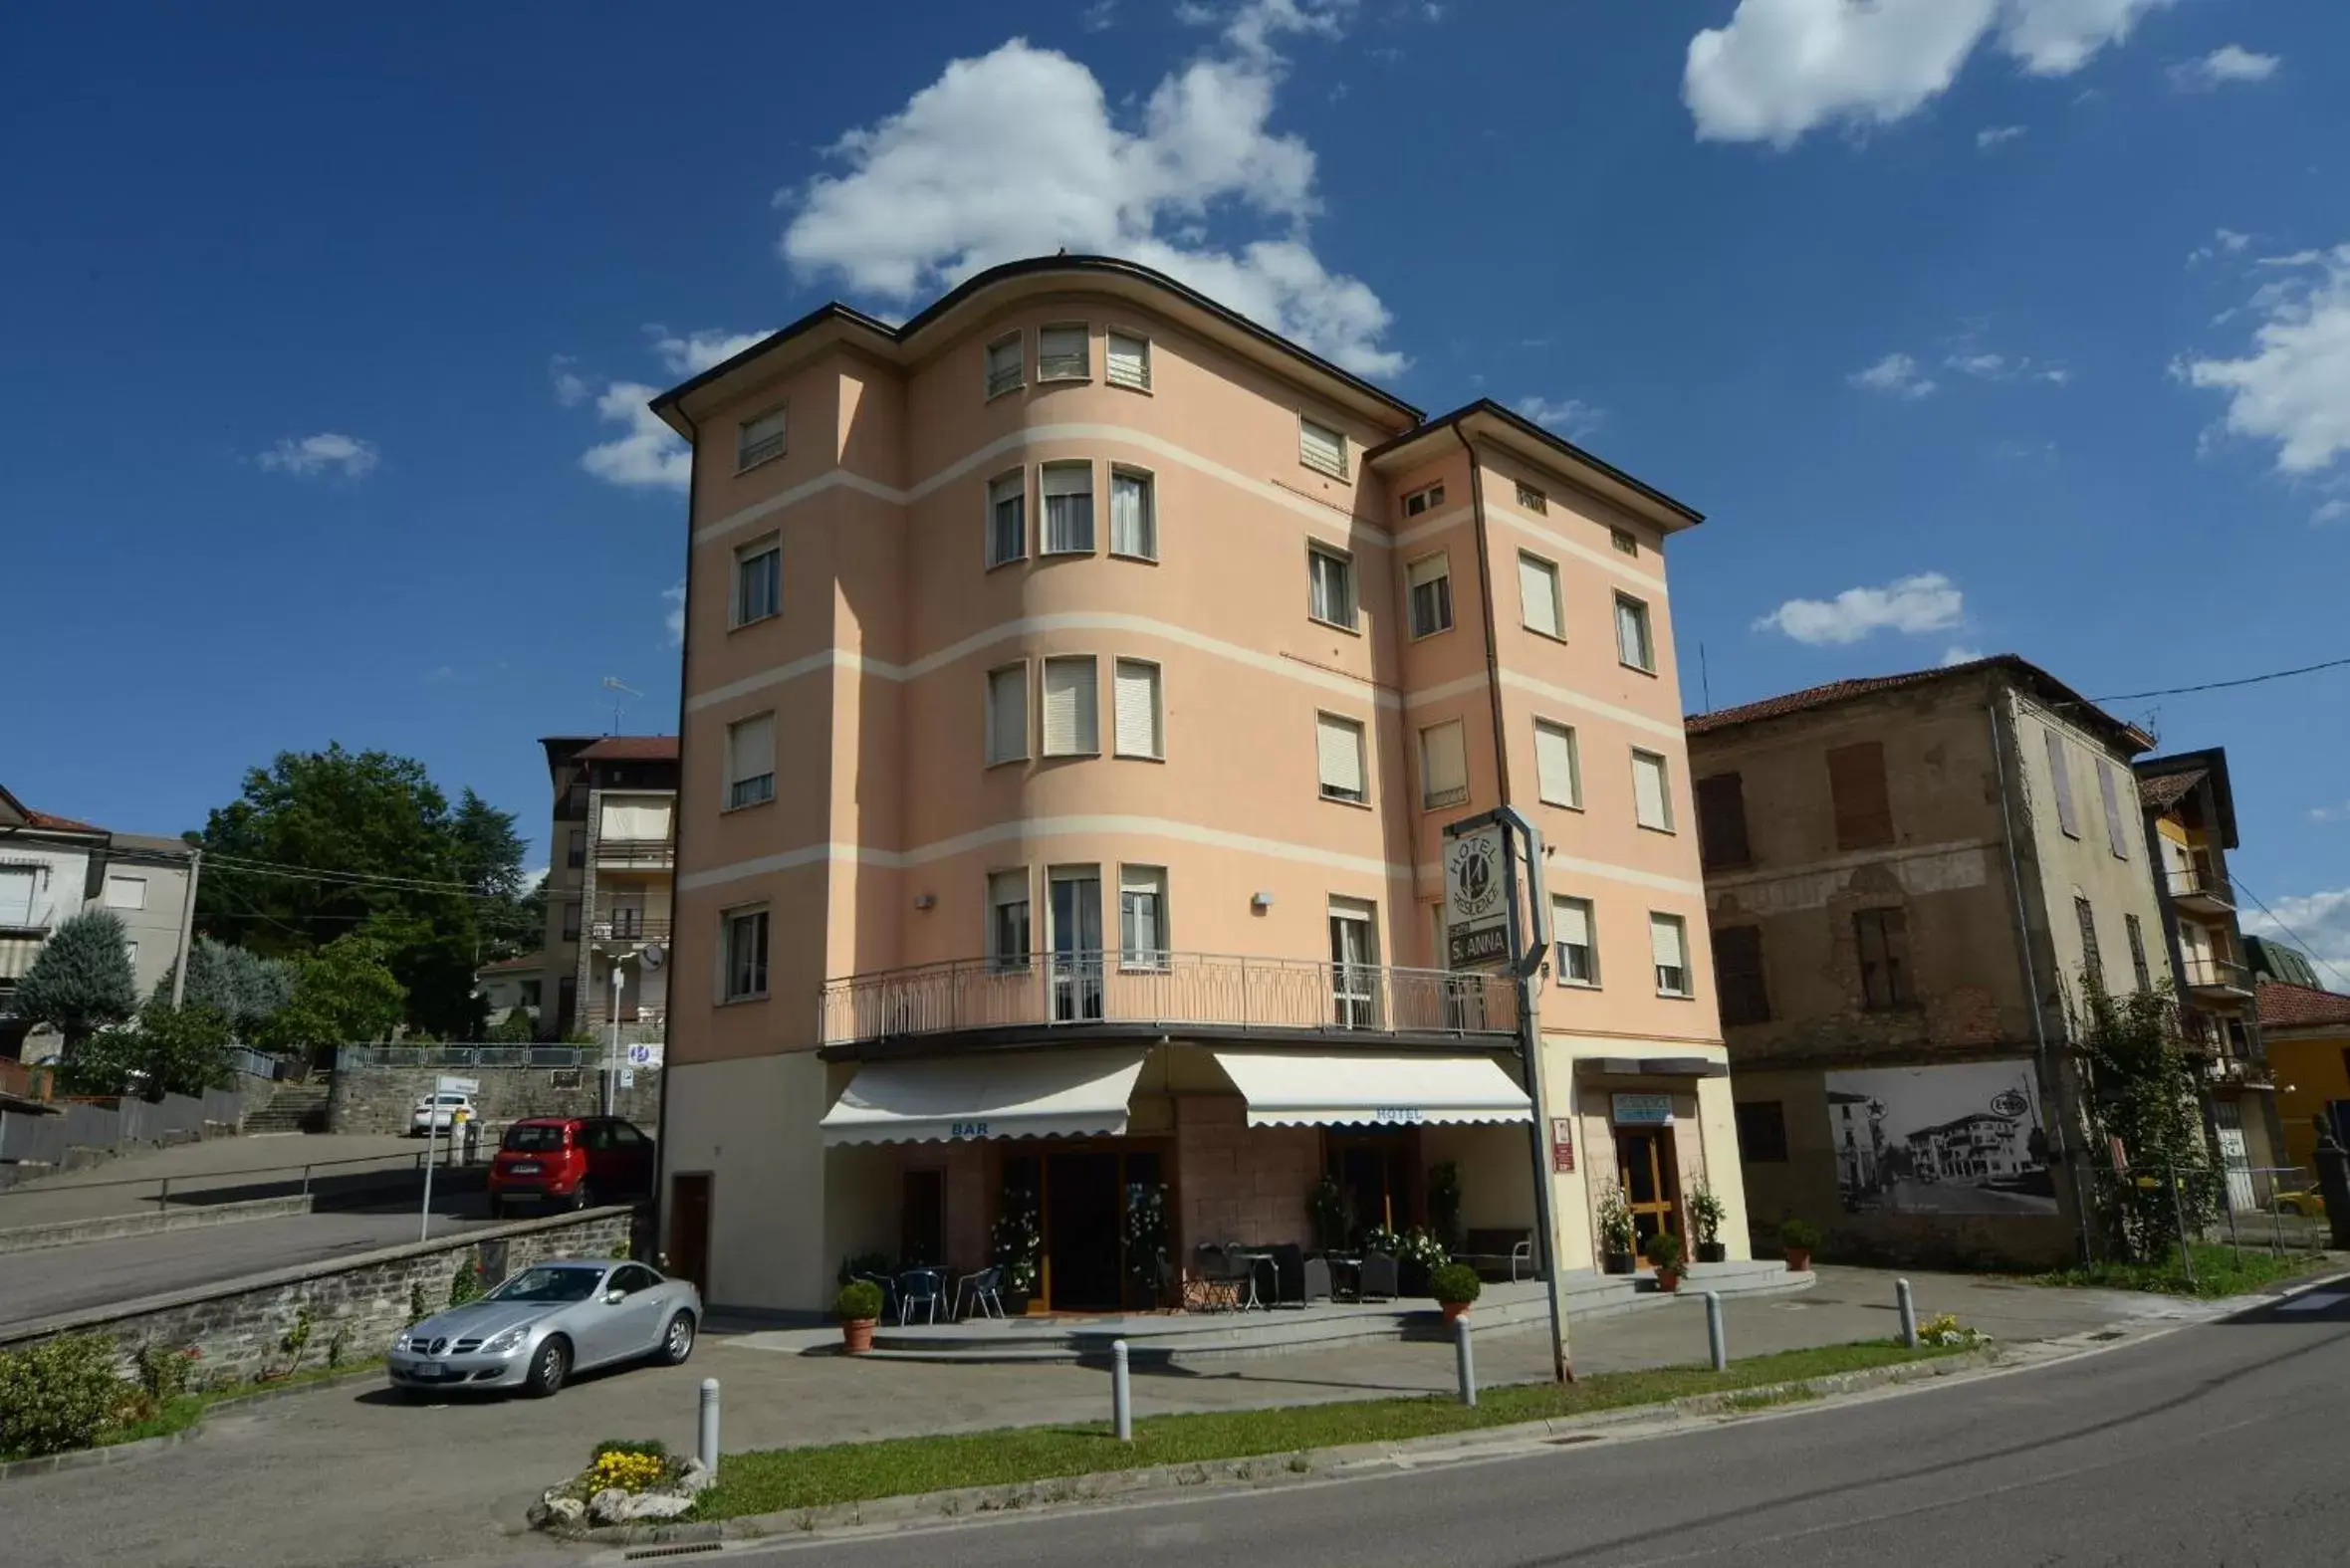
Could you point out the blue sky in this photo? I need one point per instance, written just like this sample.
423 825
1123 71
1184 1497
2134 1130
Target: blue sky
1992 325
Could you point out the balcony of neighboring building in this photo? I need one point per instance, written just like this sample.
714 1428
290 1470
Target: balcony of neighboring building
634 855
1200 996
2198 889
2211 979
624 926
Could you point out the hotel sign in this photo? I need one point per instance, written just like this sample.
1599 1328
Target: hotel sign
1643 1110
1477 898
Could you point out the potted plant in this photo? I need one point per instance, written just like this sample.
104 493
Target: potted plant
1616 1234
1798 1237
1444 1202
1455 1287
1664 1251
1704 1217
859 1308
1146 1237
1326 1206
1019 1247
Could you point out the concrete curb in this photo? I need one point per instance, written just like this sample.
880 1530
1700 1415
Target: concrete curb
108 1227
92 1458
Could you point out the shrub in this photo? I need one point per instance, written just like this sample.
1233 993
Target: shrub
860 1301
163 1372
465 1284
652 1447
1801 1234
418 1309
58 1395
1664 1251
1706 1211
1455 1283
1616 1220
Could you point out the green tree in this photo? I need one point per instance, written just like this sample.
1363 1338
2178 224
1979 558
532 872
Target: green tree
241 986
2143 1092
512 917
516 1029
347 992
171 1050
81 979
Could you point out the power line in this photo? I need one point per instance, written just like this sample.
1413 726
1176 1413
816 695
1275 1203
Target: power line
2306 948
353 879
2213 686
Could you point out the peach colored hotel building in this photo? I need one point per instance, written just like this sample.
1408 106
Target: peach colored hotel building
1077 680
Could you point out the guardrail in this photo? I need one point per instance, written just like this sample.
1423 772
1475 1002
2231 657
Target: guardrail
469 1057
199 1181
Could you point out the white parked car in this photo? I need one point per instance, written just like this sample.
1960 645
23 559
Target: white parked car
438 1113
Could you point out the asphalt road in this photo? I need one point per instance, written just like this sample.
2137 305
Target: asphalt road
2220 1444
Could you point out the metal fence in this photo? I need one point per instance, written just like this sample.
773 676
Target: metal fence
472 1055
112 1124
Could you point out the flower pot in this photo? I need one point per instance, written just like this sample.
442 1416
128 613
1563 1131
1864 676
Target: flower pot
1616 1263
857 1335
1799 1260
1712 1252
1668 1280
1454 1310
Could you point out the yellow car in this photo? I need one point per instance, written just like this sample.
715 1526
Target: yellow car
2310 1205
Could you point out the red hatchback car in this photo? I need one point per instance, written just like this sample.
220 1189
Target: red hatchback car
573 1160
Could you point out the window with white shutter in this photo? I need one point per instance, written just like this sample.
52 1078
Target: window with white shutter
1321 447
1337 746
757 440
1634 646
1003 365
1430 583
1007 716
2059 774
1572 934
1061 355
1668 945
1559 771
750 762
1652 799
1130 361
1071 711
2117 838
1329 585
1142 917
1068 508
1537 597
17 886
1138 723
1133 513
1007 518
1444 765
126 892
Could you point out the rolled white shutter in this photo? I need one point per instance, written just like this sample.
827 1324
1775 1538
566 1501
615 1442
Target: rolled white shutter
1537 596
1555 763
1130 361
754 747
1425 571
1070 715
1321 446
1008 713
1571 921
1069 479
1137 690
1664 942
1444 763
1338 745
1648 788
1061 351
650 824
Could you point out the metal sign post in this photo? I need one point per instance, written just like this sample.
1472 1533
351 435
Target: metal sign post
1483 930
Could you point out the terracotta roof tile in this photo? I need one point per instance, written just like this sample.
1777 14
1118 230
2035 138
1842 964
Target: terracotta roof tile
2165 791
1835 692
2288 1007
59 824
634 749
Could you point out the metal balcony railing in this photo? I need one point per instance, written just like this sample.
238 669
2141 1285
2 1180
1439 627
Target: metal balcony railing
634 852
2214 974
2200 884
623 929
1164 990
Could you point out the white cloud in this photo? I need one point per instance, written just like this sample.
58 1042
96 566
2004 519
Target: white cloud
649 455
2330 813
1994 136
1895 375
1571 417
1017 153
697 352
1914 605
326 452
2227 64
1099 16
2290 260
2331 512
2294 385
1958 653
2316 923
570 387
532 880
674 619
1781 68
1986 367
2231 240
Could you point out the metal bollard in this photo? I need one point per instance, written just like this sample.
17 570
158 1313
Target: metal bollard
1121 1392
1717 1338
1909 1314
707 1448
163 1198
1464 1360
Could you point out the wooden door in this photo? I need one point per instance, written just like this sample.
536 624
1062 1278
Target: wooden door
1644 1165
689 1228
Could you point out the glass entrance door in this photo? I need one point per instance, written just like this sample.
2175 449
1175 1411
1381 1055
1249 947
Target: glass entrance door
1077 944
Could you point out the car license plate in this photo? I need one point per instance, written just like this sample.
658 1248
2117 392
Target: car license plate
523 1168
425 1373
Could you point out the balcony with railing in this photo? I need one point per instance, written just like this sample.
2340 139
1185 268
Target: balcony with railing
2200 889
1202 994
625 927
2217 979
635 854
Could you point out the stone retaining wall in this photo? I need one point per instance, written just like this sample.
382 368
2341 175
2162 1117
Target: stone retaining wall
383 1099
254 1327
187 1216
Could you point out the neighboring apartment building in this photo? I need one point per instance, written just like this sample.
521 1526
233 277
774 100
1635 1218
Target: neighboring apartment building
2190 829
1134 659
2307 1036
1906 876
52 868
610 861
510 986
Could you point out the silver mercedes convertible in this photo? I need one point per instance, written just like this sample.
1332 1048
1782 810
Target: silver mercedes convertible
546 1323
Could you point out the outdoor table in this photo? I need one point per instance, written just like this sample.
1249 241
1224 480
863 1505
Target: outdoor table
1253 1257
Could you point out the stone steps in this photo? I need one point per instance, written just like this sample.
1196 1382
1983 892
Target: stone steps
292 1108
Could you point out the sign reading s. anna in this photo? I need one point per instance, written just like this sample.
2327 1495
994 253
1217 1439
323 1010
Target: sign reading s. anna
1477 900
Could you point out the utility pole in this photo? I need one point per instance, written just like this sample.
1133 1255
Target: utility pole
188 925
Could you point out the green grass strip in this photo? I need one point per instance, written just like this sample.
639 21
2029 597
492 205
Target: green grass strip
773 1481
2218 1272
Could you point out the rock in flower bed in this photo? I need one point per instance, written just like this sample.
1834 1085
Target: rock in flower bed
623 1484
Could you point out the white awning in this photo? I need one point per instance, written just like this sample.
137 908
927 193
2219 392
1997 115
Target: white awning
992 1094
1334 1089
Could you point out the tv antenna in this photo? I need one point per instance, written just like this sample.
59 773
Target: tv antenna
619 687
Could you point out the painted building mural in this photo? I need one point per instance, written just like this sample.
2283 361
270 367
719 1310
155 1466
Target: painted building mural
1957 1140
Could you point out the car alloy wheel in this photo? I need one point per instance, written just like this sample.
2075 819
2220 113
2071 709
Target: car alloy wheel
678 1342
548 1368
582 1197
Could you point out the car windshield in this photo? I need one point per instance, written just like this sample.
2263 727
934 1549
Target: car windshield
549 1284
534 1139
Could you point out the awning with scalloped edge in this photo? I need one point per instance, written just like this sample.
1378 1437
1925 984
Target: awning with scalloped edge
1303 1088
989 1094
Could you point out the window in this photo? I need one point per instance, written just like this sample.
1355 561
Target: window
1576 939
1354 964
1008 920
746 953
1061 355
2137 935
1130 361
1668 946
759 580
1133 513
1856 793
1624 539
1003 364
1142 917
1068 508
757 440
571 922
1007 716
1337 747
1531 499
1430 583
1073 928
1072 719
130 951
1136 688
1425 499
1320 447
17 887
2117 838
1762 1130
1722 821
2092 962
1444 765
1559 771
1329 585
750 762
577 854
1537 597
2066 818
126 892
1738 975
1007 518
1881 938
1633 644
1652 801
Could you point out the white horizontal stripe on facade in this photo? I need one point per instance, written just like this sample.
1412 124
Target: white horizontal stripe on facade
1444 693
1554 863
1607 558
1606 710
1342 525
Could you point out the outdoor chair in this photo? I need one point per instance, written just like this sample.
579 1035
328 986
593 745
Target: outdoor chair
1211 1287
1521 1256
888 1288
981 1293
918 1291
1378 1280
1317 1280
1288 1275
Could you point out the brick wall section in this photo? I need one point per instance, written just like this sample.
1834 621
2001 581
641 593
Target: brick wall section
382 1099
1239 1183
241 1325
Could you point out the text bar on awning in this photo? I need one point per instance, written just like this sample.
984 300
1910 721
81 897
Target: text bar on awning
989 1094
1340 1089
